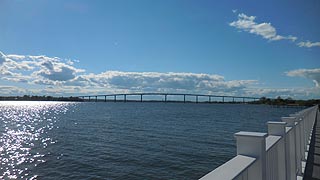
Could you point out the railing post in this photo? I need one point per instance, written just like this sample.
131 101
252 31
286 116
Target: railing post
292 155
279 129
300 128
305 130
307 127
298 145
254 145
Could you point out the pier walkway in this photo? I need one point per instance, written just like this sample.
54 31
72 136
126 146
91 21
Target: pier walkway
312 171
290 150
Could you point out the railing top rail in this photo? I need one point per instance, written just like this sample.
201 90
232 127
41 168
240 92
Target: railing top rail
231 169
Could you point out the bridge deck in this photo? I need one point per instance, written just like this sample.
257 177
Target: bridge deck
312 171
124 97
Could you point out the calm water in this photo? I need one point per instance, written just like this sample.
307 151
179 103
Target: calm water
55 140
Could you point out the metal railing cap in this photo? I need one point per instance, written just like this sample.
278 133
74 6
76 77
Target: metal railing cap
250 134
276 122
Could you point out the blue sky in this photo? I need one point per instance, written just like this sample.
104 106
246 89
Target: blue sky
260 48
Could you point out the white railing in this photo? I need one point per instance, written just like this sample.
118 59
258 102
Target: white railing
279 154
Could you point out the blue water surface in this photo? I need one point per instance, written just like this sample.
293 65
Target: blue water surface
97 140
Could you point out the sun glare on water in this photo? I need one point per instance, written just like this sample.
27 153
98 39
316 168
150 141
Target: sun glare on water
24 125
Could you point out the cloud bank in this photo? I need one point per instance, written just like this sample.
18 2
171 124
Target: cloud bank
56 74
313 74
164 82
43 75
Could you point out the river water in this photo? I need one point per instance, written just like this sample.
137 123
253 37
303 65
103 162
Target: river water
61 140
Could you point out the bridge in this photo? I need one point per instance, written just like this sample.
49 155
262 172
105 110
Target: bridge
124 97
288 151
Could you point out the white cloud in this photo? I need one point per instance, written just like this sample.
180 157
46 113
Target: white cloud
57 71
2 58
18 65
17 77
313 74
12 90
295 93
36 69
272 93
15 56
308 44
266 30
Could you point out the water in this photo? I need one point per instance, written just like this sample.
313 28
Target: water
58 140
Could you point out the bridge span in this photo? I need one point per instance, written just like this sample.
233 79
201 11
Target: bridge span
123 97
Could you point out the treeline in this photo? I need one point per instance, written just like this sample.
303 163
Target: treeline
38 98
287 102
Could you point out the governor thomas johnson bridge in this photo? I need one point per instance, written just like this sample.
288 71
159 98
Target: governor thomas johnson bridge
178 97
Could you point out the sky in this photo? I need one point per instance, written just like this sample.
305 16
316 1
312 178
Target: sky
78 47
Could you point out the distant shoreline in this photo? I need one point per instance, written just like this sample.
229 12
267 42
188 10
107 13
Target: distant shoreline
39 98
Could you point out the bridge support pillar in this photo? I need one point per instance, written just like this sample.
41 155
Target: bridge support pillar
184 98
209 99
125 98
196 99
165 98
222 99
96 98
141 98
105 98
115 98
